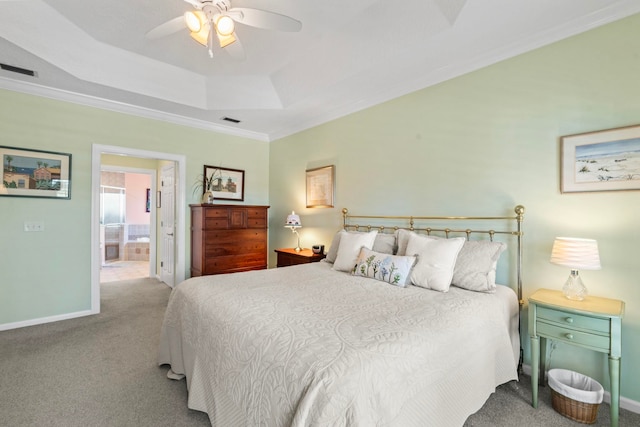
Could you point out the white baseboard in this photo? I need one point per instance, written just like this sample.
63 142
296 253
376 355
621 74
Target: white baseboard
625 403
42 320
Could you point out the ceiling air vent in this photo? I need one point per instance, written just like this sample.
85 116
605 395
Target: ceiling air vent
229 119
18 70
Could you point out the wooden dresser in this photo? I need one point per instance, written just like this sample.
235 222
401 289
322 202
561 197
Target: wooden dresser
228 238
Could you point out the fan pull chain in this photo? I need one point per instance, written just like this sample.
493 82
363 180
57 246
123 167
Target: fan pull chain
210 39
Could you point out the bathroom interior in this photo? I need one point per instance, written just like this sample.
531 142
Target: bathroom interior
125 219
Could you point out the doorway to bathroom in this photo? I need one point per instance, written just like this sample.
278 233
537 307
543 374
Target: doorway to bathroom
126 217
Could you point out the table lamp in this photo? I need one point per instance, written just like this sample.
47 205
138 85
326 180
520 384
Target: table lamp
293 222
576 254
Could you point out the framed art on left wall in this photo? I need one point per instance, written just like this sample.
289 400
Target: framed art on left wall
35 173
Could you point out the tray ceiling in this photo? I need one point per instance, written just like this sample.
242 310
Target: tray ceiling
347 57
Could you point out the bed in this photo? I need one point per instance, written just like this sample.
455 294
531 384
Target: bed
311 345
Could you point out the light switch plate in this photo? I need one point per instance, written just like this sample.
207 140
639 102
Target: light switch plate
34 226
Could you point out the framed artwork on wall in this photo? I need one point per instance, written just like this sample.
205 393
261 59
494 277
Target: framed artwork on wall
606 160
320 187
224 183
35 173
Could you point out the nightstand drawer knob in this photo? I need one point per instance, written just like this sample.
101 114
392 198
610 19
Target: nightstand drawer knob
569 319
569 336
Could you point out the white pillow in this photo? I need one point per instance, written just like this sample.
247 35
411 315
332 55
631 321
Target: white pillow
436 260
384 267
333 249
349 248
475 268
384 243
402 237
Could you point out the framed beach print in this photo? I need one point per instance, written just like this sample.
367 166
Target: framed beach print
606 160
320 187
224 183
35 173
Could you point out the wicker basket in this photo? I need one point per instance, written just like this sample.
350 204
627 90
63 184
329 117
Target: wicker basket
581 412
574 395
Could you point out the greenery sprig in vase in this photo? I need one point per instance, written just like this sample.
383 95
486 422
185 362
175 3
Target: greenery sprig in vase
205 184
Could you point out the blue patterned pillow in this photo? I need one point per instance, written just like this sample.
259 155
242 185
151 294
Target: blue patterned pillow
384 267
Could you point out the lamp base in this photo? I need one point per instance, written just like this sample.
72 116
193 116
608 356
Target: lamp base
573 288
297 248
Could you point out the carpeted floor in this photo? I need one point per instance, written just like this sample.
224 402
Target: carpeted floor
101 371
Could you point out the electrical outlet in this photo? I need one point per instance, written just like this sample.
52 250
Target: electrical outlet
33 226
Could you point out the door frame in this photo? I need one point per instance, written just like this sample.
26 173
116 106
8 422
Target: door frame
97 150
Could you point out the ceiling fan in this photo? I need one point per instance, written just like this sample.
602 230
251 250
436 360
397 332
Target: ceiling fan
217 17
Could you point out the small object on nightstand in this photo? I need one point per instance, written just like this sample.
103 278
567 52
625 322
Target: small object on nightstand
317 249
289 256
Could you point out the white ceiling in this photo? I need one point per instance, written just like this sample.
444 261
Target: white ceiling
348 56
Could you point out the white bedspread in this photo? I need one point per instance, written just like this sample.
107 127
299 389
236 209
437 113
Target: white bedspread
309 346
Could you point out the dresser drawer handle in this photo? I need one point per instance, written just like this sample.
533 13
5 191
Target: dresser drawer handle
568 319
569 336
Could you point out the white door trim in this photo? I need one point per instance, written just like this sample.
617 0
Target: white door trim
181 162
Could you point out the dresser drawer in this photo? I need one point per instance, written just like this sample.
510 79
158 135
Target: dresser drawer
561 333
241 237
229 264
216 213
574 321
216 223
257 213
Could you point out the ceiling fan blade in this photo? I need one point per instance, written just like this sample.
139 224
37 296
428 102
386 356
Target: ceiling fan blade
267 20
236 50
194 3
172 26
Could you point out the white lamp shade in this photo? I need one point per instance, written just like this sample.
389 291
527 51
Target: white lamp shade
293 220
575 253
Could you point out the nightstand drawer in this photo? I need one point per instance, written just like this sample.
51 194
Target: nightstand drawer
596 342
574 321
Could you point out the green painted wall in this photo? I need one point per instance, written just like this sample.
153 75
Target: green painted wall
480 144
48 274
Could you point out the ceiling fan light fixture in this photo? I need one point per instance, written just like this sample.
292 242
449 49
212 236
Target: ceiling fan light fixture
201 36
224 25
226 40
193 20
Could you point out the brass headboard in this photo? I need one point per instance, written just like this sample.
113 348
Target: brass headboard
389 224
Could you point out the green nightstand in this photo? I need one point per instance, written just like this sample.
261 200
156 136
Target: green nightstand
594 323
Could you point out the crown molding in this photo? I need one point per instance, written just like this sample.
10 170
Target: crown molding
121 107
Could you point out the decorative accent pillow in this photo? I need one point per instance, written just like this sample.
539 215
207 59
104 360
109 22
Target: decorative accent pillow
349 249
436 260
384 267
475 268
384 243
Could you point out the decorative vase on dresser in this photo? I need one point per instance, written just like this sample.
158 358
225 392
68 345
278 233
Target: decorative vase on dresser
228 238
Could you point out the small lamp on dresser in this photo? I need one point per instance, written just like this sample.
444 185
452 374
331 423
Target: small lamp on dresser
576 254
293 222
